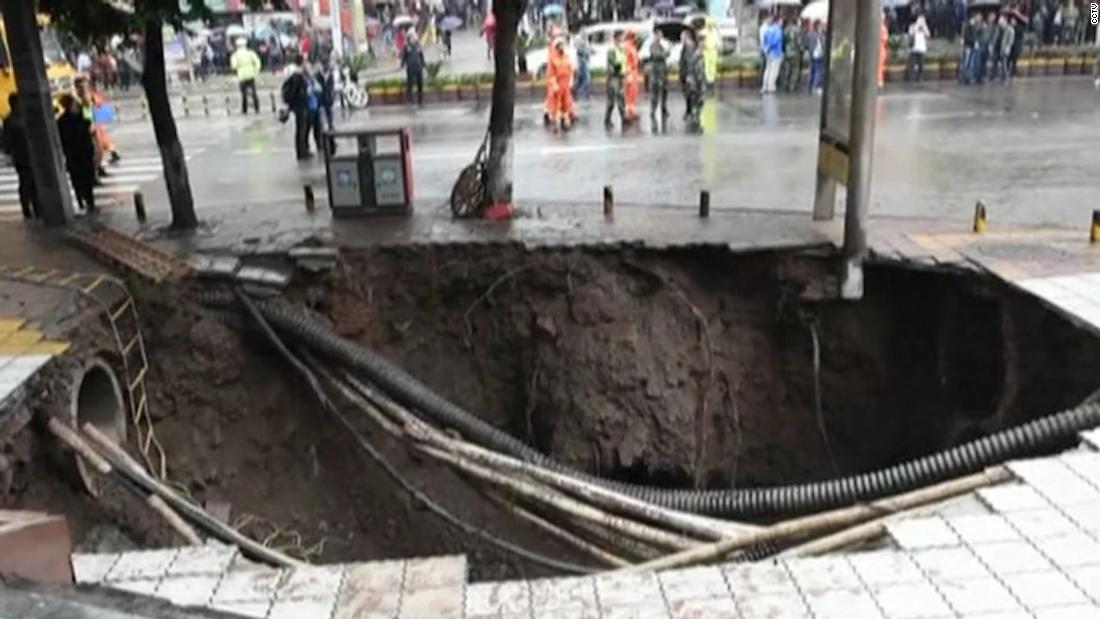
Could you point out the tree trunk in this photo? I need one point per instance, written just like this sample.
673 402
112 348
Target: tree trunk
36 109
504 99
172 157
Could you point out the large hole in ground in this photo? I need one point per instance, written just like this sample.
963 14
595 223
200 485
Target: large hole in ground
682 368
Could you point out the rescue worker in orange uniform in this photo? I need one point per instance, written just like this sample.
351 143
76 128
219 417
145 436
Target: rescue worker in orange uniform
633 77
559 74
549 113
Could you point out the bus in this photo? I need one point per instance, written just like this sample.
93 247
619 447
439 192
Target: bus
58 69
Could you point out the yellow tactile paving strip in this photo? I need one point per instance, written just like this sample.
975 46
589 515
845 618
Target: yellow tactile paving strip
1075 253
18 339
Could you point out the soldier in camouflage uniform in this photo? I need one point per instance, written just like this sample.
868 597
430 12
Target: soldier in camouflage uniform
615 73
694 79
658 76
790 73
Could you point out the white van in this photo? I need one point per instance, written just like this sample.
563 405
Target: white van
600 38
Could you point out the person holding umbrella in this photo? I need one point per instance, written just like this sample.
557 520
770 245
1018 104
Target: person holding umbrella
448 25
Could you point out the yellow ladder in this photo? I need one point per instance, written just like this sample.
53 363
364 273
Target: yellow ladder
113 298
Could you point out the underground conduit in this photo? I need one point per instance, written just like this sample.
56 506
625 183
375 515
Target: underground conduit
747 503
96 399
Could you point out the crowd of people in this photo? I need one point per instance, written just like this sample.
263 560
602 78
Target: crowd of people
84 142
626 77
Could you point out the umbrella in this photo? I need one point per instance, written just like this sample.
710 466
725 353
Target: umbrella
684 9
765 4
816 11
983 5
402 21
894 4
552 9
664 5
234 31
450 22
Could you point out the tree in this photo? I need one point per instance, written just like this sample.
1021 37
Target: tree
93 20
502 115
47 169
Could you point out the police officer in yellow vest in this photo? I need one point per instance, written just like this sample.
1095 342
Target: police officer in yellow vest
247 65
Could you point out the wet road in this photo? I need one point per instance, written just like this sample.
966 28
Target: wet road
1030 151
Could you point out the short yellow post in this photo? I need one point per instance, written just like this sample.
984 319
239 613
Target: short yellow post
980 224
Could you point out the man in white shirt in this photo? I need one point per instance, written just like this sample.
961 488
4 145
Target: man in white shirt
918 47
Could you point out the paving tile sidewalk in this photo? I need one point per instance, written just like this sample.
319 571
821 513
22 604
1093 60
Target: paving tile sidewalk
1032 550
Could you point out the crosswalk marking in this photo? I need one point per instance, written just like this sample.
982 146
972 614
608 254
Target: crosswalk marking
124 179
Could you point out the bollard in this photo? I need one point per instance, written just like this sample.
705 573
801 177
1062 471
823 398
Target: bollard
608 202
144 109
274 109
205 106
310 202
704 204
1094 229
980 224
139 206
186 110
228 106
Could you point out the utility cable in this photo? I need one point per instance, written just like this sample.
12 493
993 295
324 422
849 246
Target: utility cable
376 455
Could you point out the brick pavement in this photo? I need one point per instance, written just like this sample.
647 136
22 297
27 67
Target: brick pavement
1029 549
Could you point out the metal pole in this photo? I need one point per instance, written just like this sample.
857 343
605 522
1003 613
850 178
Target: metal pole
334 7
861 146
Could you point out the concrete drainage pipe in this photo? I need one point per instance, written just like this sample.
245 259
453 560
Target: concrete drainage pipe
97 399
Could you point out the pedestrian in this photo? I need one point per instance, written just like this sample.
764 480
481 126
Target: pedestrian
84 62
918 47
762 46
246 64
773 52
1020 29
815 43
17 147
489 31
326 82
105 148
658 77
560 73
791 71
1070 15
583 82
447 43
883 51
988 42
616 65
79 148
633 75
1007 45
413 62
967 60
296 96
694 78
523 39
711 47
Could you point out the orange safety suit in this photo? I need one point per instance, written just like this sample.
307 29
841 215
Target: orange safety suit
549 111
633 76
883 50
560 74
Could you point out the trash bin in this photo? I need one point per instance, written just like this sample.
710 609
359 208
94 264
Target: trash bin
369 172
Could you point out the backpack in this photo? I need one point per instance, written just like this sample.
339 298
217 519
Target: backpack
289 90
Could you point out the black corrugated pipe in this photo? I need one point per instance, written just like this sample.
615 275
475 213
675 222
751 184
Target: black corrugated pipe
747 503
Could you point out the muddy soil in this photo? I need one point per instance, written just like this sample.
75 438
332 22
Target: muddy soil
696 367
677 368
